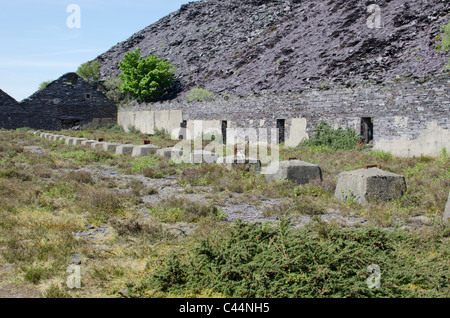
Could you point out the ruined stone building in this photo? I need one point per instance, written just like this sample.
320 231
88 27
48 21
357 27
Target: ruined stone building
67 102
409 117
11 112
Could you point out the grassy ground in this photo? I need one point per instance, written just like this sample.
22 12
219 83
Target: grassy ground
57 210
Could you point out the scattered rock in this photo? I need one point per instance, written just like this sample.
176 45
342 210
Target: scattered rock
75 259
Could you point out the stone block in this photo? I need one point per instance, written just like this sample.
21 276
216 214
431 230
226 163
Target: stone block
446 216
97 145
297 171
231 162
203 156
88 142
144 150
169 153
78 141
111 146
124 149
69 141
365 185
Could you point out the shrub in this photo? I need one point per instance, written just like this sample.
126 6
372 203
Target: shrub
44 84
321 260
100 203
335 139
174 209
113 88
90 71
146 78
200 95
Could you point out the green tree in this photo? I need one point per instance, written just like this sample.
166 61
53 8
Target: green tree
445 35
90 71
146 78
112 87
44 84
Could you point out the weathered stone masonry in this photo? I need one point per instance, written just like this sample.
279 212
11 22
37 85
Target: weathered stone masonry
68 101
410 117
11 111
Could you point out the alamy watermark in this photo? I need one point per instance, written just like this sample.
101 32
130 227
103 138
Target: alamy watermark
374 280
374 20
74 19
74 280
238 143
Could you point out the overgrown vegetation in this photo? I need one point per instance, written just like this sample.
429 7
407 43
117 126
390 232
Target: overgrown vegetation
199 94
44 84
58 201
90 72
334 139
146 78
445 45
262 261
113 90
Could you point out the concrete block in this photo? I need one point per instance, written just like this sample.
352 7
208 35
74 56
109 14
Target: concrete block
365 185
78 141
144 150
124 149
446 216
111 146
231 162
88 142
169 153
69 141
202 156
97 145
297 171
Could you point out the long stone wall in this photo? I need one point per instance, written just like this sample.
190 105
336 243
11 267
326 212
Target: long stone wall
410 117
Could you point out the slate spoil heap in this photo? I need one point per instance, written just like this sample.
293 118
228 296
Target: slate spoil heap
246 46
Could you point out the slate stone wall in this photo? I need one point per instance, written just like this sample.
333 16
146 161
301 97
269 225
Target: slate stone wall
10 111
69 98
401 108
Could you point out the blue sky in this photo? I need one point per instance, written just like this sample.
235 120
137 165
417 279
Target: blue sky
37 45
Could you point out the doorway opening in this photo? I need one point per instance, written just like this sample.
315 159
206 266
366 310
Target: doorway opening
281 130
70 124
366 129
224 131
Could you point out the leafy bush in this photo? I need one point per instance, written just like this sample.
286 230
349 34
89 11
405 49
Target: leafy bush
113 88
90 71
335 139
200 95
259 260
146 78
